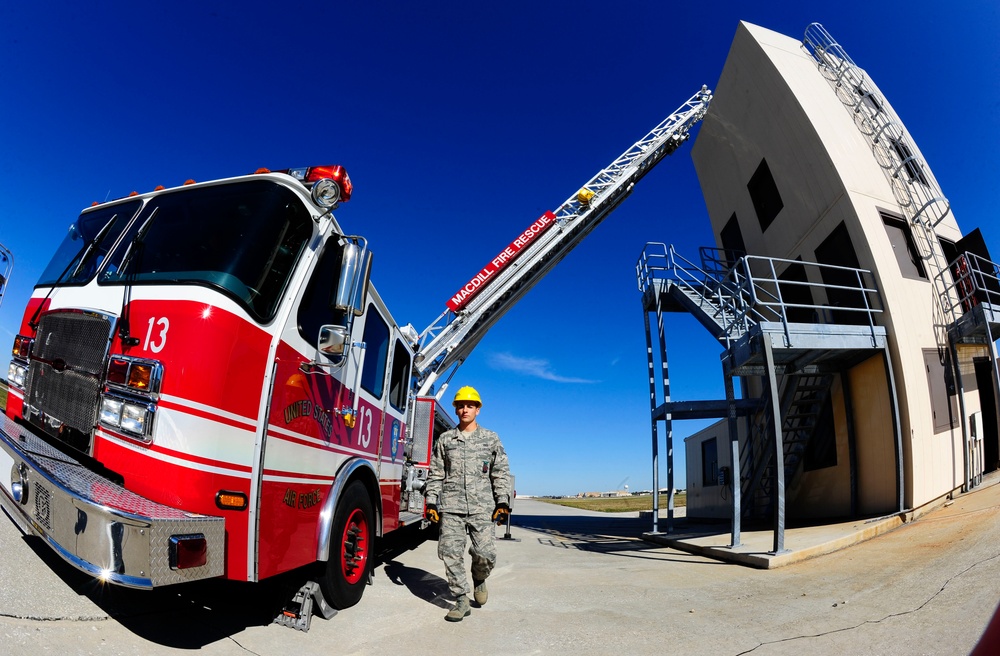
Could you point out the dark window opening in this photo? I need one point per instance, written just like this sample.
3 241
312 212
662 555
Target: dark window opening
949 249
838 250
795 292
732 241
709 463
764 195
909 162
905 249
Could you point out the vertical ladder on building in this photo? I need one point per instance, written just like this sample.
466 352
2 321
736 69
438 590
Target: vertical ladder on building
916 190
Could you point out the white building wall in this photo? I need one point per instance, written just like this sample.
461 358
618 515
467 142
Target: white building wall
711 500
772 104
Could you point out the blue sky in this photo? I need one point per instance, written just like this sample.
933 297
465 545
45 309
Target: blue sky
460 123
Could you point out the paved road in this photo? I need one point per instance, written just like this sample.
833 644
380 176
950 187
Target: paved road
575 583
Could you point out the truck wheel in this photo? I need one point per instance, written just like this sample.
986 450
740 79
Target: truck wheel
351 548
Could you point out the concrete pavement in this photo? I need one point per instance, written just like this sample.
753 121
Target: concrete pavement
574 583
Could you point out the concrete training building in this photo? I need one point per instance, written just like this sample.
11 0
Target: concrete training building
852 310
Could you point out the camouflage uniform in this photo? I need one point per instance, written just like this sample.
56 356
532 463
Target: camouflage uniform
469 476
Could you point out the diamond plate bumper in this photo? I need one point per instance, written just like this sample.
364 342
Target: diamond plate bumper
96 525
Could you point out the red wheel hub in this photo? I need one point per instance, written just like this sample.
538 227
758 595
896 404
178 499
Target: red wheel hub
355 547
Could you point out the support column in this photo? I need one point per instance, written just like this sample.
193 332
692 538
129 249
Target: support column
653 424
852 438
734 450
896 430
996 372
779 450
668 420
970 478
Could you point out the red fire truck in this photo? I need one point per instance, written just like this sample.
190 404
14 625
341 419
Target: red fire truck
206 384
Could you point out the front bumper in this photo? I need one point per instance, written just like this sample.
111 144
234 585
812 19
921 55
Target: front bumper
96 525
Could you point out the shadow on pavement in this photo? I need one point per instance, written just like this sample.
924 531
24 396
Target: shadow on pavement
431 588
612 535
216 609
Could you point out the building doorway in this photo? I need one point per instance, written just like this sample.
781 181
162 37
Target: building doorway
987 401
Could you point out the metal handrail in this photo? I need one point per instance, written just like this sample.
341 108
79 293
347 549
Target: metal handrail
725 291
750 291
768 299
974 280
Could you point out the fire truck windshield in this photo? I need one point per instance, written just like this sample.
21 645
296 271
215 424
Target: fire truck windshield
241 238
84 248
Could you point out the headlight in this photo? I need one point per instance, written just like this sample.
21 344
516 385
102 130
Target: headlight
134 418
111 412
125 415
16 374
326 193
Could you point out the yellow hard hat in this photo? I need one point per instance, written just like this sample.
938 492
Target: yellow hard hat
467 394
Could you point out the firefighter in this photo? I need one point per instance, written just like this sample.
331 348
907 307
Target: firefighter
468 489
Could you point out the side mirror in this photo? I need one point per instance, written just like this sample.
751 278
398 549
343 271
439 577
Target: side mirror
355 272
333 343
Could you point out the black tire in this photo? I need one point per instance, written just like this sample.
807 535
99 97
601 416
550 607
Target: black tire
352 547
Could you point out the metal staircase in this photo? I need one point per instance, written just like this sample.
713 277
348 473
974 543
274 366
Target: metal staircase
718 298
745 303
804 398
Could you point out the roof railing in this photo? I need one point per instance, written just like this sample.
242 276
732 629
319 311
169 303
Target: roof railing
747 290
970 280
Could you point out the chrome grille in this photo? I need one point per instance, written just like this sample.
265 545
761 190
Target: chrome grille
64 375
421 430
43 506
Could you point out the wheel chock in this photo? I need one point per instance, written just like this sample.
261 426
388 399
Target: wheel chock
298 613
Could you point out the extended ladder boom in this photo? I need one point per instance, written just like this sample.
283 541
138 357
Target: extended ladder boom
495 289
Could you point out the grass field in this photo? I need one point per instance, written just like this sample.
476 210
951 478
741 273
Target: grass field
617 504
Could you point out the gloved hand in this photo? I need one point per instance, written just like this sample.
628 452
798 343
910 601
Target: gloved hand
501 513
431 513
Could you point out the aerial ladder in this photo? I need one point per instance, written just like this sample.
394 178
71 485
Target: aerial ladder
473 310
6 265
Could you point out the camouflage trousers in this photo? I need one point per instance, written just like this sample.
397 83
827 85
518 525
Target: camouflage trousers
451 545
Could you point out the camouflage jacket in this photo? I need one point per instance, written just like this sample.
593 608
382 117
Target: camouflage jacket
469 472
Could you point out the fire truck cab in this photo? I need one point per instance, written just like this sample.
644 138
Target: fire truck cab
205 384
